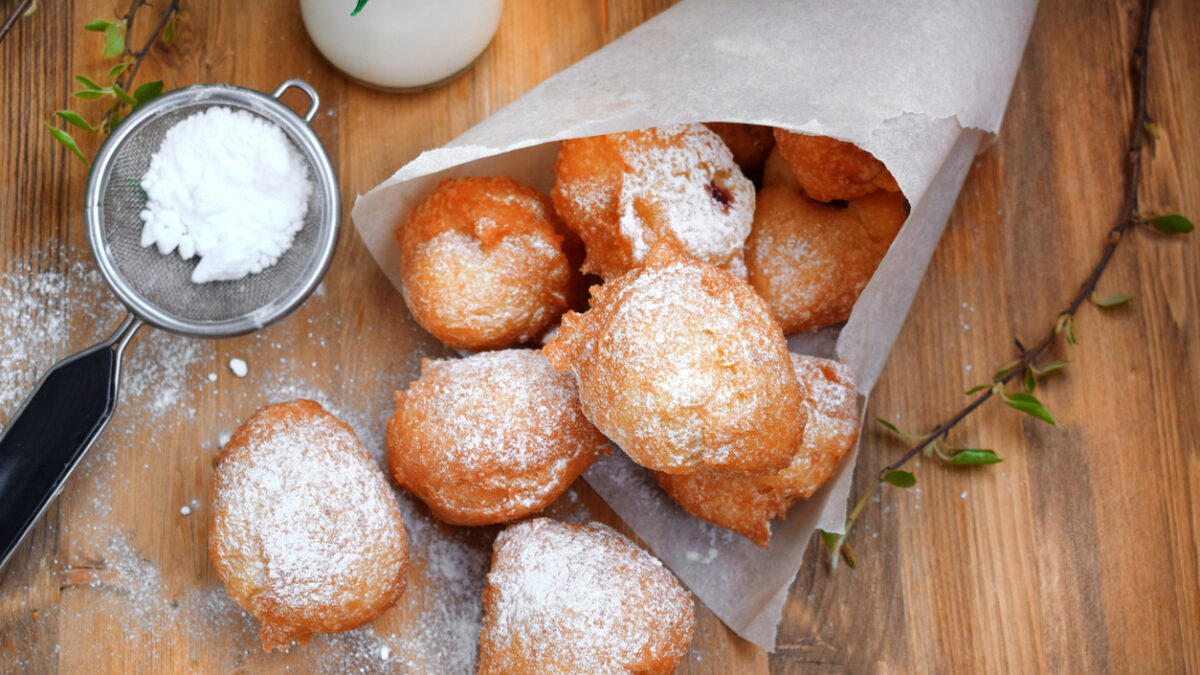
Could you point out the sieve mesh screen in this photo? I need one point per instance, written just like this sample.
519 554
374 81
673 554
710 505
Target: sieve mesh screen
164 281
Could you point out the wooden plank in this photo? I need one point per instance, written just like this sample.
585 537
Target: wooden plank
1078 553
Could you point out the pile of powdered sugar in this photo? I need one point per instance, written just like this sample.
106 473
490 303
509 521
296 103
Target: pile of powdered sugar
229 187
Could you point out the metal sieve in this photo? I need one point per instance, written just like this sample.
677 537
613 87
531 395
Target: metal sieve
73 401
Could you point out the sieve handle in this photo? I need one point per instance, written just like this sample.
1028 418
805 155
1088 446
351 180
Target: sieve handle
304 87
52 430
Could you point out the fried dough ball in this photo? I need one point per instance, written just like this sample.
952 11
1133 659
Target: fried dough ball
749 143
305 532
484 263
621 193
564 598
810 261
830 169
490 437
680 364
748 505
777 172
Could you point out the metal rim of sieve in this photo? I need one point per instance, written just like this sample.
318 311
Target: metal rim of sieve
325 194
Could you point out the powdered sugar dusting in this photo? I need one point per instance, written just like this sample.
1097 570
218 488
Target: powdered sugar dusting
676 173
474 401
583 598
671 369
153 584
302 497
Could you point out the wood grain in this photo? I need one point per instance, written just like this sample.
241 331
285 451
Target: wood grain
1079 553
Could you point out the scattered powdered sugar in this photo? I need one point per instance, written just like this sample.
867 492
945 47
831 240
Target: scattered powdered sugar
228 186
156 378
133 577
581 596
238 366
41 322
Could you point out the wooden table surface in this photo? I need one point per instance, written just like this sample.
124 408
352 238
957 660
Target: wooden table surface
1079 553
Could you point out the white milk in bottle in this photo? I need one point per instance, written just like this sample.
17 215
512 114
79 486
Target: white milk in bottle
401 44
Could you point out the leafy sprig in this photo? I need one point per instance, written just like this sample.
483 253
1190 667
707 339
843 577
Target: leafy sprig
1025 365
120 76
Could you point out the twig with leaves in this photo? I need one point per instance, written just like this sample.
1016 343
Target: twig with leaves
124 98
1025 366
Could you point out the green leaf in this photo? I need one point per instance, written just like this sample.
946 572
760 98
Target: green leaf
1005 370
1030 380
98 26
65 138
899 478
91 94
1029 405
1070 330
148 91
1050 368
168 35
889 425
117 70
973 457
120 93
87 83
978 388
114 40
1172 224
358 8
73 118
848 554
1112 300
829 538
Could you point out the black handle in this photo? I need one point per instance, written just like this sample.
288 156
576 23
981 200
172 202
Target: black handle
52 430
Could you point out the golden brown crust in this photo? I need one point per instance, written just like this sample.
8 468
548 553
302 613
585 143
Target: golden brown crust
564 598
681 365
624 192
490 437
749 143
748 505
829 169
305 533
484 263
810 261
776 171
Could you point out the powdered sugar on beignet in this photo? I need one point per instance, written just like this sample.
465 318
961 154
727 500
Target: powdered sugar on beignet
305 532
681 365
490 437
564 598
678 184
748 505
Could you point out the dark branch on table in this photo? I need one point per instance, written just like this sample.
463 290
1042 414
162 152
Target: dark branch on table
1129 219
12 18
140 55
1116 235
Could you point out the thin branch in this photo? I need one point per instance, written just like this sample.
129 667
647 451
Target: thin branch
1129 219
140 54
12 18
135 57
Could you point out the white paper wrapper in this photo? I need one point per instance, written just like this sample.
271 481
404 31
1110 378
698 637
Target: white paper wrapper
918 83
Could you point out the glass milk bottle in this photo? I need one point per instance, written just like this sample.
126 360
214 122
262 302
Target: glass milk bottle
402 44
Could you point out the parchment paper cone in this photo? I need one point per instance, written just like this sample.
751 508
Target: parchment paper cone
919 83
